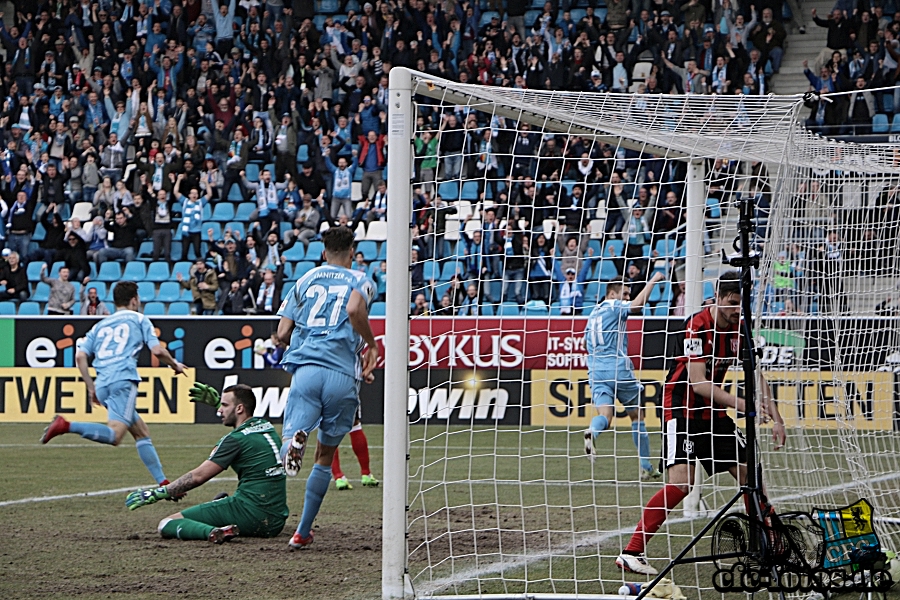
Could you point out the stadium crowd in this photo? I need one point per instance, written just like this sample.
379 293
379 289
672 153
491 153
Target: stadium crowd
200 147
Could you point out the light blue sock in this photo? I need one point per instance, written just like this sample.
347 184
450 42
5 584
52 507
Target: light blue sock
150 458
599 424
642 443
316 486
96 432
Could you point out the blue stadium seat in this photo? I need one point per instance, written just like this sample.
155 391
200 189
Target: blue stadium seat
618 247
302 153
207 213
895 124
303 267
607 270
110 271
146 290
158 272
555 309
99 286
378 309
713 210
509 309
888 101
295 252
30 309
709 290
39 233
665 247
450 269
179 308
487 310
252 172
368 248
154 308
7 308
449 191
314 251
169 291
431 270
183 267
382 251
216 230
234 194
536 308
661 309
469 191
223 212
243 212
55 267
486 17
880 123
34 270
134 271
76 308
145 251
591 293
41 292
186 295
237 226
660 292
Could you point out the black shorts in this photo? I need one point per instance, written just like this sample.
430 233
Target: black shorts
717 444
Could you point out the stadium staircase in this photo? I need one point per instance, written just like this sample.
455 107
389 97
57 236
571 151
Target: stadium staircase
800 47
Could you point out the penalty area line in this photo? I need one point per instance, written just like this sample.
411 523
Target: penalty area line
92 494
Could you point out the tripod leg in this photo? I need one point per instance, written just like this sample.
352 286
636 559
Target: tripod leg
675 561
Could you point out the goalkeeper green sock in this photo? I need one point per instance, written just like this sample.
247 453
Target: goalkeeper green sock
185 529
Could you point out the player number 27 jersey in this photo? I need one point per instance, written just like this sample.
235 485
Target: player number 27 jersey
322 334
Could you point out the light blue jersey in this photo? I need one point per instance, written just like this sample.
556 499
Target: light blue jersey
322 333
607 341
115 343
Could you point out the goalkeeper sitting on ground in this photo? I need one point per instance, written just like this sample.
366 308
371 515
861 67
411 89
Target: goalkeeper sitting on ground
259 506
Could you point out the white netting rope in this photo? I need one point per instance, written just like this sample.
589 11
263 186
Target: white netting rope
494 508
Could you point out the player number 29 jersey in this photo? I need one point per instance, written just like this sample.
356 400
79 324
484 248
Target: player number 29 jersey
322 334
115 343
605 336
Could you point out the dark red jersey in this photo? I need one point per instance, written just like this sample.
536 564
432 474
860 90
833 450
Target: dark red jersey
717 348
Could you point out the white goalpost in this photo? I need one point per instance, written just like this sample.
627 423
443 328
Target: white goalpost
502 202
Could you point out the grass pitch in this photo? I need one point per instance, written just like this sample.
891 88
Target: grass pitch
93 547
526 499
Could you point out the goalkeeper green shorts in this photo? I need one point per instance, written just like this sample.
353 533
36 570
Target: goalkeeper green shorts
251 520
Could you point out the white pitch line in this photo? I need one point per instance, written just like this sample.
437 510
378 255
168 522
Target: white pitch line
430 587
85 494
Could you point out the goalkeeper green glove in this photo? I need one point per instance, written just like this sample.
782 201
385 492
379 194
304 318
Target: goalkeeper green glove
139 498
205 394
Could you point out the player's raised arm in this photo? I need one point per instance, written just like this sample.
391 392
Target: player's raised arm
705 388
637 304
358 314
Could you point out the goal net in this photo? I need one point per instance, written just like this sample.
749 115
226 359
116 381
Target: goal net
519 208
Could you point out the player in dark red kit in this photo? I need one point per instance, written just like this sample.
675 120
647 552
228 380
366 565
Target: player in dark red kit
697 425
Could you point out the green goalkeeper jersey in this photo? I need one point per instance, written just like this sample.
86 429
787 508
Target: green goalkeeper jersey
252 451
